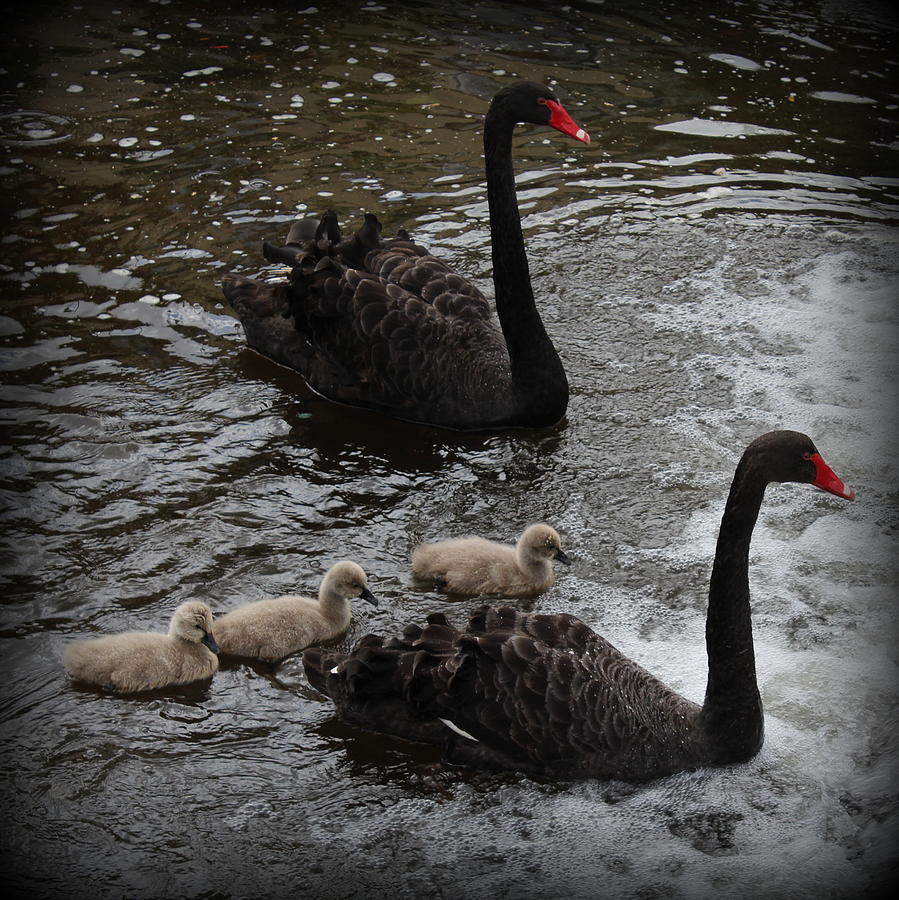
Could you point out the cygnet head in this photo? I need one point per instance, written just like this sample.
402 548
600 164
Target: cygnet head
542 542
347 580
192 622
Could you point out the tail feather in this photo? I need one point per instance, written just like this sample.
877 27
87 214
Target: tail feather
302 231
328 228
287 255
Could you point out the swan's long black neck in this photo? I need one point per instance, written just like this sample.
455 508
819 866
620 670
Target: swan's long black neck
732 711
537 371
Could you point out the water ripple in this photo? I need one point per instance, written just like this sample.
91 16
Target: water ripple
34 128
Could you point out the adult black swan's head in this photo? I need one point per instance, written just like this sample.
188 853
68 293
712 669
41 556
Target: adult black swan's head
791 456
528 101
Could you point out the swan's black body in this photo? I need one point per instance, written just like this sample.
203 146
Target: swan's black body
547 696
383 325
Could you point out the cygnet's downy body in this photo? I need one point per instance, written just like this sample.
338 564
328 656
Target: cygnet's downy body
272 629
473 566
143 661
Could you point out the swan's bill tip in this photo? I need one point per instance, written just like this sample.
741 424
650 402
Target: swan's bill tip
332 671
843 492
836 489
582 135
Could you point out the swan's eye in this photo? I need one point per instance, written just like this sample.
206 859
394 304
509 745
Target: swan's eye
541 101
806 455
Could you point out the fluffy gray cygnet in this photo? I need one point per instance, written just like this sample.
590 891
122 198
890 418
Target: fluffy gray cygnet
271 629
143 661
474 566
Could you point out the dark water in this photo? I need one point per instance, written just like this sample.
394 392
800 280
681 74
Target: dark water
720 261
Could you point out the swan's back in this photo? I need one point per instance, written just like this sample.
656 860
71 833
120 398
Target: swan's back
380 324
273 628
541 694
474 565
461 559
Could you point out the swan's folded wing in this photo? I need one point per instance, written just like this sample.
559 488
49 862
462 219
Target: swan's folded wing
378 343
514 694
499 699
496 696
561 631
400 333
555 711
430 279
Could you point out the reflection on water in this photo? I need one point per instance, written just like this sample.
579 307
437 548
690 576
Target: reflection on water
719 262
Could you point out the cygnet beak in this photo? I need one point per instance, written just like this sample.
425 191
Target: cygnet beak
368 595
209 641
562 557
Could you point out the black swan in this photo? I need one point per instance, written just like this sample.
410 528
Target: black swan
547 696
385 326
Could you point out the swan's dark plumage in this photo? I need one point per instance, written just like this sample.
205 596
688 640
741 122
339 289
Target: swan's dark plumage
547 696
384 325
540 694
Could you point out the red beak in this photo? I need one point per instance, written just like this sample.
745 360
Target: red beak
561 121
827 480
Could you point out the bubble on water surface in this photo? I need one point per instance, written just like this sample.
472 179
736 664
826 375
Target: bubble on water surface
711 128
737 62
802 39
840 97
